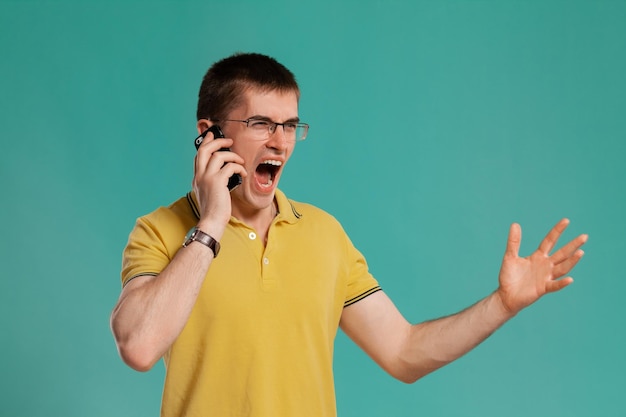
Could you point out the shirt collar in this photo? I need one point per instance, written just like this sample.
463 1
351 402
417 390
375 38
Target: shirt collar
287 212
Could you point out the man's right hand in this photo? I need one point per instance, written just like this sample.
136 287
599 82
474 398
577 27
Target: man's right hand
153 310
212 169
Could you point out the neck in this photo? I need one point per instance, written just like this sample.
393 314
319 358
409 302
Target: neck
259 219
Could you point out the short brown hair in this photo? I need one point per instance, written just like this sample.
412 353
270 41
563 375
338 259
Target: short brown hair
224 83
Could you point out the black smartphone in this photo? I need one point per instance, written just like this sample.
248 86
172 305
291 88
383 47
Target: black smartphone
235 180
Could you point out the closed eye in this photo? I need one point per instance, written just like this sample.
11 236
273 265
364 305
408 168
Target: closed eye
258 124
290 126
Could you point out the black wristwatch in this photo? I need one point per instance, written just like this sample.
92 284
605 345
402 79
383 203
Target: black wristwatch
198 235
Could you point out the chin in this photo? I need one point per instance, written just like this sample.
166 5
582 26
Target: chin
253 196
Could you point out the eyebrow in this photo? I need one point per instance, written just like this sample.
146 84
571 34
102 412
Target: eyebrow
265 118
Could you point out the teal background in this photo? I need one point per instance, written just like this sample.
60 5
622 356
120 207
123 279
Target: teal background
435 124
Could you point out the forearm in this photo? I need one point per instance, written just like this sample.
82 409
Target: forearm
152 312
433 344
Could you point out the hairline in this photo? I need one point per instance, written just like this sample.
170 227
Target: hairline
243 86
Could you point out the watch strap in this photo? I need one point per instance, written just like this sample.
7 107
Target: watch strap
197 235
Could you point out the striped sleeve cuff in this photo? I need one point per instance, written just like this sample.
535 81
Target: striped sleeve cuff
362 296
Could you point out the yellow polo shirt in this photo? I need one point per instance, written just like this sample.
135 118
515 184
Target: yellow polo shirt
259 341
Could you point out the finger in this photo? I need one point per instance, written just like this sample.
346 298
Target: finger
234 168
201 158
568 264
205 137
211 146
223 158
567 250
514 240
547 244
558 285
208 158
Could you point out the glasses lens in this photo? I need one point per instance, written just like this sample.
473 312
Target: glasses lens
301 131
260 128
263 129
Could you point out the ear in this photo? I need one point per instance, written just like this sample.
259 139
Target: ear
203 124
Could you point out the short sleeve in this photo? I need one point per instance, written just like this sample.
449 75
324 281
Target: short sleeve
361 283
145 253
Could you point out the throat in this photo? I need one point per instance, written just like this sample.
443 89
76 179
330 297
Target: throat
259 219
265 178
265 174
262 222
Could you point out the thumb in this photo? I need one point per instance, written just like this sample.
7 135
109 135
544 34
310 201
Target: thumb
514 240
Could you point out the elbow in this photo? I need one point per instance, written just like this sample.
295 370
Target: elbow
135 353
408 379
407 376
410 372
138 359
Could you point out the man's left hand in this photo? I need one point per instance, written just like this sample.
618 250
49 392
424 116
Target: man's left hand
524 280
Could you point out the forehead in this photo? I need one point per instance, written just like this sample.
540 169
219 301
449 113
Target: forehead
275 104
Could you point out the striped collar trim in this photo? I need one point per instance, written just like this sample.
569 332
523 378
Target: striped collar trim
286 209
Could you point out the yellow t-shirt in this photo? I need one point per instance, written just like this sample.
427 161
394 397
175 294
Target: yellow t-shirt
259 341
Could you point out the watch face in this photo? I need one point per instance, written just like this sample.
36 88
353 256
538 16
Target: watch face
190 235
197 235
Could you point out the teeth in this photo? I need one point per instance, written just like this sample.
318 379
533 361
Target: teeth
273 162
270 179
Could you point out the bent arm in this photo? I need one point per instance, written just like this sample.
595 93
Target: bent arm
409 352
153 310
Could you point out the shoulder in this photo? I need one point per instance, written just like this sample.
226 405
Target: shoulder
156 238
310 219
310 210
180 211
298 211
168 222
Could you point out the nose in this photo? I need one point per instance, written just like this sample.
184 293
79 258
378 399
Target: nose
278 138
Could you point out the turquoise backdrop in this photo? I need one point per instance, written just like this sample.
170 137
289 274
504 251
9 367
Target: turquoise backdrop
434 125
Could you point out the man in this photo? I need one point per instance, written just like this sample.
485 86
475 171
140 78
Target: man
245 308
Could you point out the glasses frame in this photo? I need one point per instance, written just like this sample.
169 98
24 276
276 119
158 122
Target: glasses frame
272 126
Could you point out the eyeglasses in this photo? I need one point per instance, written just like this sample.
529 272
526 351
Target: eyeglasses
262 128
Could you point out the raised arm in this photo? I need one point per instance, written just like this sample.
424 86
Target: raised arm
153 310
409 352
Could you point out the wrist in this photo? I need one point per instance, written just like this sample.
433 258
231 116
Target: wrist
503 308
214 229
197 235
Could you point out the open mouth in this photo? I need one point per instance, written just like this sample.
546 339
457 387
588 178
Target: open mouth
265 173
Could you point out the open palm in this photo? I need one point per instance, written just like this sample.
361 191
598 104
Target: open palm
524 280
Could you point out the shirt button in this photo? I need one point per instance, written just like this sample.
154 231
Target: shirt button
252 235
266 261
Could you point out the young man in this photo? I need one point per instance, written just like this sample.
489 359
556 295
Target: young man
245 307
